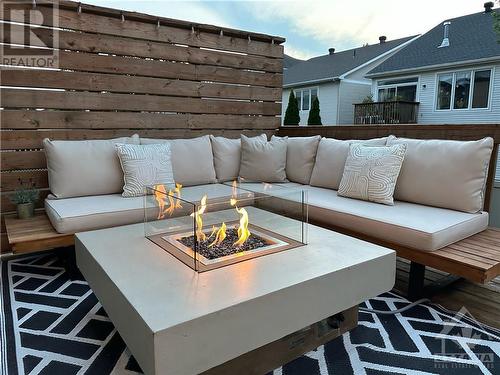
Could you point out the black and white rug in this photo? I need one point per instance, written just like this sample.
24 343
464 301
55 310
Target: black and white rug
53 325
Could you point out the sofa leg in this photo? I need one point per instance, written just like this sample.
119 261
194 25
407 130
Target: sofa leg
416 281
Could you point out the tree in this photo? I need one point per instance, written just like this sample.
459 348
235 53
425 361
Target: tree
496 22
314 117
292 116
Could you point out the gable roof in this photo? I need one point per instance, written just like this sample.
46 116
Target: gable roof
289 61
471 37
330 67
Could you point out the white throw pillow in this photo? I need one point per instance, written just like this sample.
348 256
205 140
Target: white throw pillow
300 157
192 159
144 165
444 173
371 172
330 160
263 161
227 156
88 167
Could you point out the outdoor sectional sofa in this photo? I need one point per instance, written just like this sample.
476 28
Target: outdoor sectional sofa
439 194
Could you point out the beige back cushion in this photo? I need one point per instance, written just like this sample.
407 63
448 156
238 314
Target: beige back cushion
300 157
263 161
227 156
89 167
331 158
192 159
441 173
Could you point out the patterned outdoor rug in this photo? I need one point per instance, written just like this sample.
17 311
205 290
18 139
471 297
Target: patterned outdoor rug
52 325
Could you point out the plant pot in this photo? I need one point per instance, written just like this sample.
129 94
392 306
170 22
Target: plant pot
25 210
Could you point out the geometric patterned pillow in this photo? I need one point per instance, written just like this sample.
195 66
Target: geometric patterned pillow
144 165
371 172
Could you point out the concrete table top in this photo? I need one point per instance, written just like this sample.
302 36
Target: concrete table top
177 321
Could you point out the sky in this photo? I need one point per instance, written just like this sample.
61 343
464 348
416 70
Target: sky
311 27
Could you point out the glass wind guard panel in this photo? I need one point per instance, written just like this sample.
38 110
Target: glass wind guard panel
211 226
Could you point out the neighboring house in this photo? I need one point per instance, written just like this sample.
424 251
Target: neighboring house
337 79
452 72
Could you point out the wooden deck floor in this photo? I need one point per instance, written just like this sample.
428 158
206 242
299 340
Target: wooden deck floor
482 301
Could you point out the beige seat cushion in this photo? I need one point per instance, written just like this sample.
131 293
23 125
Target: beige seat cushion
331 158
227 157
413 225
441 173
192 159
300 157
88 167
263 161
81 214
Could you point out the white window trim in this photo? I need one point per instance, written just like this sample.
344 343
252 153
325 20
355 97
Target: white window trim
454 72
310 101
417 83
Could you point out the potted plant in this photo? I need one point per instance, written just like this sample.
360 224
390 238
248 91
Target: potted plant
25 198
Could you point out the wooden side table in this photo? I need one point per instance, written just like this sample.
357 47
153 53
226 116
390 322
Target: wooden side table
34 234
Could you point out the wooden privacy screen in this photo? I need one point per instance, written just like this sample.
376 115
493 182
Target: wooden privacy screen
121 73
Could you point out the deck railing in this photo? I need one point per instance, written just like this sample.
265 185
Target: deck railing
395 112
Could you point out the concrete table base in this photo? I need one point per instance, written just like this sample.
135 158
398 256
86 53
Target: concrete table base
177 321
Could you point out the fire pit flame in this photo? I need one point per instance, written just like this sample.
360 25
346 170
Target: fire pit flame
200 235
161 196
220 235
243 232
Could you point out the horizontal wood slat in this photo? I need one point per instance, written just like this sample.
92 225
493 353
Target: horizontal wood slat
458 132
26 119
12 98
32 139
87 22
72 5
22 160
83 81
10 180
89 62
98 43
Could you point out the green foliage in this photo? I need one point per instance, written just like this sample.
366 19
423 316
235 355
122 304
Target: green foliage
368 99
26 193
314 117
496 24
292 116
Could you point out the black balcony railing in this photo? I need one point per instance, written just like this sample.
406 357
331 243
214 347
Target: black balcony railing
396 112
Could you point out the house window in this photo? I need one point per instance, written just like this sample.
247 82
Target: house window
398 89
445 86
305 98
463 90
481 89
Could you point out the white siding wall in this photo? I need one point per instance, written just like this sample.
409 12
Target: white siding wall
427 98
327 94
350 93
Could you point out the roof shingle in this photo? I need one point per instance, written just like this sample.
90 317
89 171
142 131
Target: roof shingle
333 66
472 37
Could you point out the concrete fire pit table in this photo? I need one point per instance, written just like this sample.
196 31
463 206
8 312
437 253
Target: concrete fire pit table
248 317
